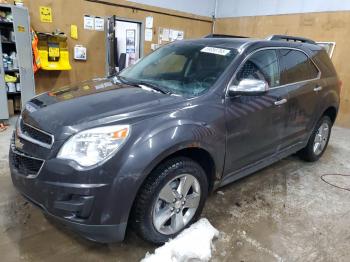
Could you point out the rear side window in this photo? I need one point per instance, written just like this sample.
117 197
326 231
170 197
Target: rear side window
262 65
296 67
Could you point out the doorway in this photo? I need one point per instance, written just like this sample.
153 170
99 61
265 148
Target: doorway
125 41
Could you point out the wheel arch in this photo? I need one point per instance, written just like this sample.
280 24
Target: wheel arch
332 112
198 154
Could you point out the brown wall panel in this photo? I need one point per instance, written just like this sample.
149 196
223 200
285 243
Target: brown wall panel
67 12
331 26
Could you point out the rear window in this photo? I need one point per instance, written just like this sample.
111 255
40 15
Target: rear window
296 67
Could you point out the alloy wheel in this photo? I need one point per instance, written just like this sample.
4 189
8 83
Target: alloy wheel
176 204
321 139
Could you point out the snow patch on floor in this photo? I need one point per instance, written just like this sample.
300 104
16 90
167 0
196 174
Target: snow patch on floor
193 244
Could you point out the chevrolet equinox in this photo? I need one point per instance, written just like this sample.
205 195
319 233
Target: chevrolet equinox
145 147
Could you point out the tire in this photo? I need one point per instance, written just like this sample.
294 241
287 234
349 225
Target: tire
156 199
308 153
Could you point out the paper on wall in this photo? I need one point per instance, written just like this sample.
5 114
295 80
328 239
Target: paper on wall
148 34
149 22
172 35
180 35
89 22
130 41
99 24
165 35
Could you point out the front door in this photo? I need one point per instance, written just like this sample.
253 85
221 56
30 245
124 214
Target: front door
256 124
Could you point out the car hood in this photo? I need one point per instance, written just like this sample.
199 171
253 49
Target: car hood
94 103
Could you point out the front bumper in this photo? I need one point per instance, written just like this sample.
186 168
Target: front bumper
97 233
72 198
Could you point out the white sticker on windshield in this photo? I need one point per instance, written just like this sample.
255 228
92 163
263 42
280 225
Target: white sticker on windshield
215 50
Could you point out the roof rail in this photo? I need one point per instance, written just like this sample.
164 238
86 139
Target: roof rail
223 36
290 38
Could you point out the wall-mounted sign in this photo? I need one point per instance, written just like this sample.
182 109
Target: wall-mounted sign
80 52
176 35
99 24
149 22
74 31
89 22
148 34
165 34
130 41
45 14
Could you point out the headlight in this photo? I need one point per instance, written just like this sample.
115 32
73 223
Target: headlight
92 146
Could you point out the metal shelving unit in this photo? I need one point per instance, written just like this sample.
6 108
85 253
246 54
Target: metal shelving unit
21 44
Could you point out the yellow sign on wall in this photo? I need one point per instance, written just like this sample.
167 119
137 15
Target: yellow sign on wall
45 14
74 31
54 51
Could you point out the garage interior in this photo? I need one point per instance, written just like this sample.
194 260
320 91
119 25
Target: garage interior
290 211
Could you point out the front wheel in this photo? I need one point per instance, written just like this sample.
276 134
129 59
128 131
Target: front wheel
318 141
171 199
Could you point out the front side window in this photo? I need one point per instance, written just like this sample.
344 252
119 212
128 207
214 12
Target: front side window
262 65
296 67
187 69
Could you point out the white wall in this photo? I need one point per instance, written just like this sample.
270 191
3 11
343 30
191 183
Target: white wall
197 7
237 8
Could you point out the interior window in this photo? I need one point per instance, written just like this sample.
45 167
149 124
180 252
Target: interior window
296 67
263 65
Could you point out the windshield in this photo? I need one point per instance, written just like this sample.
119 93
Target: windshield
183 69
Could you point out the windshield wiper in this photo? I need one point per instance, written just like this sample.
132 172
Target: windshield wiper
154 87
141 83
144 83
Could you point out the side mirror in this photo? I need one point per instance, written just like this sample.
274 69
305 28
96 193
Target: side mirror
249 87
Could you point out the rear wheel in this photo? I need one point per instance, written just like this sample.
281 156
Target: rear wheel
171 199
318 141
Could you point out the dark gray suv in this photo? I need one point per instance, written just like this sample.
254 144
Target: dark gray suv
145 147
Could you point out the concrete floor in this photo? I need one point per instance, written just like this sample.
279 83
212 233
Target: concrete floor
282 213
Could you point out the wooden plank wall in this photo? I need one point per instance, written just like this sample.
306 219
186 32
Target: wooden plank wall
330 26
67 12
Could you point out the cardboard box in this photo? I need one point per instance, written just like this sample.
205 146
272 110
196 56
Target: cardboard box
10 107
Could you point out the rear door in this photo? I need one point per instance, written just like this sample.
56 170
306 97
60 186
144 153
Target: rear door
302 79
256 124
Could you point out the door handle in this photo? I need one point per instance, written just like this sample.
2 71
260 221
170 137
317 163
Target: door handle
281 102
317 89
